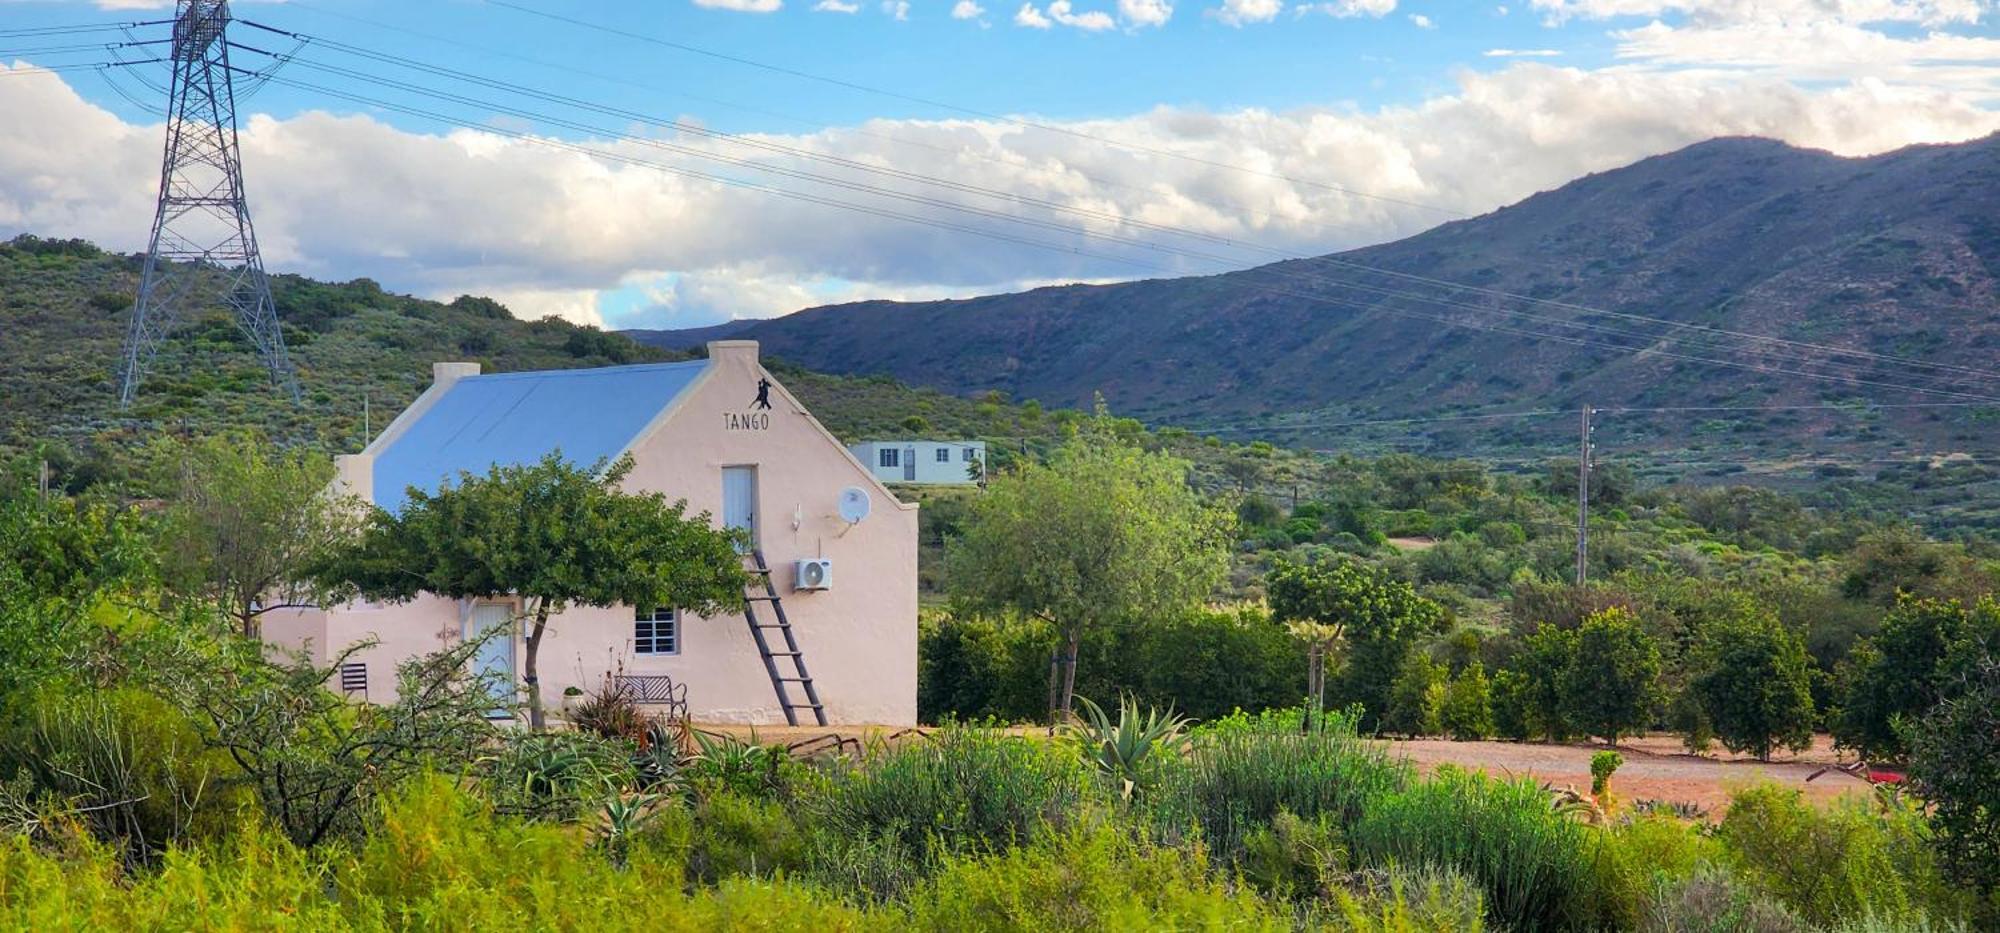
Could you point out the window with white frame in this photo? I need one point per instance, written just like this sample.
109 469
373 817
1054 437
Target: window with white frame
890 456
656 631
944 455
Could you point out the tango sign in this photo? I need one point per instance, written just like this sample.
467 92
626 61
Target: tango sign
758 418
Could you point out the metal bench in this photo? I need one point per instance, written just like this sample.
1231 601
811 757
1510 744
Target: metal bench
654 690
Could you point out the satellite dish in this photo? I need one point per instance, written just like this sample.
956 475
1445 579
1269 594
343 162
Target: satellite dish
853 504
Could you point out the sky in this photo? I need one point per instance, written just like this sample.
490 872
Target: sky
676 163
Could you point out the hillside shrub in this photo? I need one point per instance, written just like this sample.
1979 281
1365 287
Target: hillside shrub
1088 880
962 790
1242 775
133 769
1539 869
1844 860
1467 713
1416 698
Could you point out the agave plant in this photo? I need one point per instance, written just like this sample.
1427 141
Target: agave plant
1121 750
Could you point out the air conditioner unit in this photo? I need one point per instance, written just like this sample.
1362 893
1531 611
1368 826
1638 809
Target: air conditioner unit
814 573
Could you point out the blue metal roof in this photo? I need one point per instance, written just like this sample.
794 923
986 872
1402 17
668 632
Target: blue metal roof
519 418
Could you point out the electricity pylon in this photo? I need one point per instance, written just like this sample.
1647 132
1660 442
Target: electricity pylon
203 248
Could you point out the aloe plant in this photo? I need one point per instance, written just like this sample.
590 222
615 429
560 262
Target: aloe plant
1122 749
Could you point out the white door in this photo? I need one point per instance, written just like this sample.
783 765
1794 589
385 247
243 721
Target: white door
909 464
739 499
496 657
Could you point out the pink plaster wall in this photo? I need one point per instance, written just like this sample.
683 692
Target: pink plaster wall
859 638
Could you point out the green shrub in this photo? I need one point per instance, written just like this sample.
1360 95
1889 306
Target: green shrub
1753 683
554 775
1714 901
963 790
1087 880
742 836
1405 900
1953 755
1602 766
1609 685
1293 857
132 768
1539 869
1241 776
1512 714
1467 714
1838 861
1416 698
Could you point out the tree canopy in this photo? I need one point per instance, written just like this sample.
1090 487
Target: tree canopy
553 534
1103 531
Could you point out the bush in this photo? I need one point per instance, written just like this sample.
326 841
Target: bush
1714 901
1609 686
1467 714
963 790
1953 752
1293 857
1241 774
1416 698
1602 766
554 775
133 770
1539 869
1087 880
1512 714
1754 685
1413 899
1835 862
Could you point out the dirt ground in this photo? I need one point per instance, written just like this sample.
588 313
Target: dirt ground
1656 766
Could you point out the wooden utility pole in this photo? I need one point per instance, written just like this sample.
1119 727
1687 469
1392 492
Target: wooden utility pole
1583 498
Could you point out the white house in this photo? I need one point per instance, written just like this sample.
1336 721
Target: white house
720 433
928 462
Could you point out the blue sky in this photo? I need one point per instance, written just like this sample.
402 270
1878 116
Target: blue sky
1266 122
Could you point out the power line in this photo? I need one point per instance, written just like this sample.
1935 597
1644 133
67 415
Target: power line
1013 197
780 69
968 111
993 215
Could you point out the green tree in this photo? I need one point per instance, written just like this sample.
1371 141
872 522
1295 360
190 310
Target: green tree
59 556
1894 674
1104 531
1754 684
552 535
1379 618
1416 698
1511 714
247 525
1544 659
1467 714
1955 767
1608 687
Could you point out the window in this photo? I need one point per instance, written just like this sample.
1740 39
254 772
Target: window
891 457
944 455
656 631
970 455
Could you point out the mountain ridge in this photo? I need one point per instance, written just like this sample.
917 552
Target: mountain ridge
1888 254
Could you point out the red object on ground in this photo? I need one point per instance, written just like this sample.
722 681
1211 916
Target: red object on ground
1884 777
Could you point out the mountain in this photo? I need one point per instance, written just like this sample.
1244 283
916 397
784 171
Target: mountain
1896 254
363 354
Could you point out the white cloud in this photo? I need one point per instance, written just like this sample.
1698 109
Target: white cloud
1349 9
1239 12
967 9
1421 21
836 6
1089 21
1521 53
898 10
1712 12
1137 14
556 231
742 6
1032 18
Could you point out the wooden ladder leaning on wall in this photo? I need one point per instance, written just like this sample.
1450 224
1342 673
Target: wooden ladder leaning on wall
790 651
